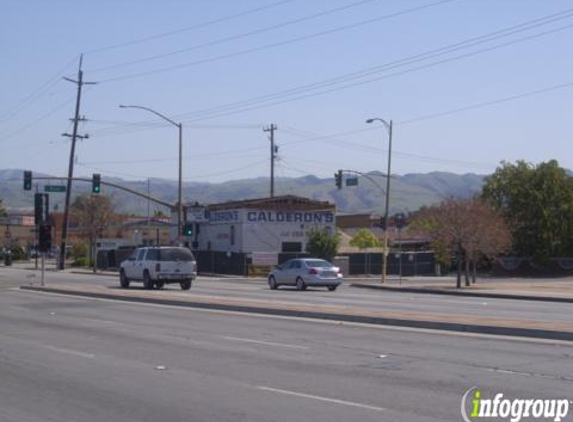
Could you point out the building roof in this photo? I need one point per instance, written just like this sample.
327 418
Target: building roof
286 202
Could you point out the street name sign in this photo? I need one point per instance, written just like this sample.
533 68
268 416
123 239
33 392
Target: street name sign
54 188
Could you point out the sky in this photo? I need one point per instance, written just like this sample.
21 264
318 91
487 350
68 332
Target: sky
466 83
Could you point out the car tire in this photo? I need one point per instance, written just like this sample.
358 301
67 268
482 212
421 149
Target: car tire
332 288
123 280
300 284
159 285
273 283
185 285
147 282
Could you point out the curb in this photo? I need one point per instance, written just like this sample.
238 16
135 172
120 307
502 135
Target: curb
432 325
465 293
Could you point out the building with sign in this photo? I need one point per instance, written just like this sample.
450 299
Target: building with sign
270 225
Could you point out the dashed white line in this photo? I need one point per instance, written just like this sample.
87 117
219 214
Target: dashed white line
266 343
325 399
70 352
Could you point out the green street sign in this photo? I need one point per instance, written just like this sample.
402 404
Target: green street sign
54 188
352 181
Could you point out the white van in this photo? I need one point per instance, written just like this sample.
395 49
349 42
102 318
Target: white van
156 266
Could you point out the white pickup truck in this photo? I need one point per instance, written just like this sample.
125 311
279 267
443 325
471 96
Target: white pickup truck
156 266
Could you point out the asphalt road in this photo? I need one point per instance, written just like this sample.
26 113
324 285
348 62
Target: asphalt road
68 359
344 296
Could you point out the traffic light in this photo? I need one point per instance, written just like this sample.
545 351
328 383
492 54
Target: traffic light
27 180
187 229
400 220
41 207
383 222
96 182
338 179
45 238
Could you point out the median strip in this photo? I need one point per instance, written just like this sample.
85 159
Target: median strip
435 321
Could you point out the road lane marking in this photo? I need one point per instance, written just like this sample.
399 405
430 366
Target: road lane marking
266 343
325 399
425 331
70 352
528 374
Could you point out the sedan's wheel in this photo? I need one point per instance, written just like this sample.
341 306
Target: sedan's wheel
147 282
332 288
185 285
272 283
159 285
300 284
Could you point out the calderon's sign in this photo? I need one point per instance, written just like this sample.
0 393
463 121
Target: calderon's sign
317 217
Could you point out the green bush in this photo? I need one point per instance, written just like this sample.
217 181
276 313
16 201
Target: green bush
79 250
80 262
18 254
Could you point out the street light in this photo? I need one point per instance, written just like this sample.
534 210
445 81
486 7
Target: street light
385 253
180 126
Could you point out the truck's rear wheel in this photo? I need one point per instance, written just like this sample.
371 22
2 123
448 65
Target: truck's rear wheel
185 285
147 282
123 280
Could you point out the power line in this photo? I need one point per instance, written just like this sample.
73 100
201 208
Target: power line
189 28
349 144
34 122
266 100
121 128
194 178
37 93
486 103
273 45
237 37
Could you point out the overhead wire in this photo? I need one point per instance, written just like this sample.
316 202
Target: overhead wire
272 45
36 94
189 28
237 36
267 100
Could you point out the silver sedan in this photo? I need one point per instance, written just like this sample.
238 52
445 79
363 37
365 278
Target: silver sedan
306 272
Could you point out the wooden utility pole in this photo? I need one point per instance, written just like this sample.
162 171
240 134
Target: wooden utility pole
74 136
274 151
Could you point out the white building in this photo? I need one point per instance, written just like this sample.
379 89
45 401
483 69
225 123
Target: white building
275 225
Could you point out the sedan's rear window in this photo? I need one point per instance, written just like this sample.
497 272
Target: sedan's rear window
175 254
318 263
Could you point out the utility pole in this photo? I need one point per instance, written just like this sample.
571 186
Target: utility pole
37 238
74 136
274 151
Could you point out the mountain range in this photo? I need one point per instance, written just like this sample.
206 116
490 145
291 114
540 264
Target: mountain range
407 193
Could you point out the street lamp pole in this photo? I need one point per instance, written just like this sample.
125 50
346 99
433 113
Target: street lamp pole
180 189
387 207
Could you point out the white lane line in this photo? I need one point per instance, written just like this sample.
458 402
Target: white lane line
527 374
70 352
325 399
103 321
266 343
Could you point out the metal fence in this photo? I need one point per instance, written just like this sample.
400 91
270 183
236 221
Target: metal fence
407 264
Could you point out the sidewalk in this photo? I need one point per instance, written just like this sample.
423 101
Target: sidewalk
546 290
434 320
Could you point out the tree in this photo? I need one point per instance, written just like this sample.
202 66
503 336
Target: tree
364 239
467 228
537 204
3 212
93 213
321 244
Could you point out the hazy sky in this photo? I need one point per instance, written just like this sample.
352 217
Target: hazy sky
317 69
